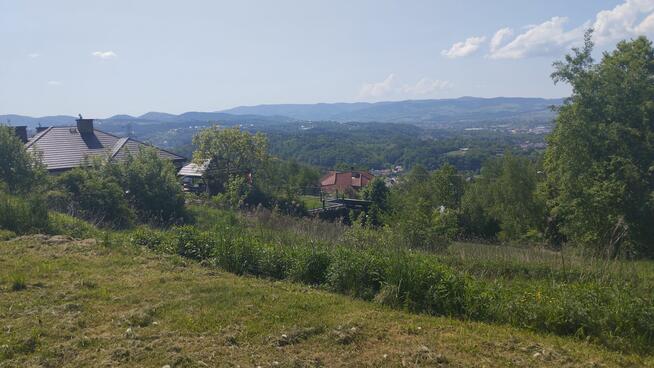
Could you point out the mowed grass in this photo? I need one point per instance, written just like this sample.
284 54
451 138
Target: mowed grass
84 304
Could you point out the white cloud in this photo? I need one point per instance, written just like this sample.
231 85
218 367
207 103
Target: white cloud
547 38
104 54
646 27
629 19
34 55
464 48
426 86
624 21
54 83
377 89
499 37
390 88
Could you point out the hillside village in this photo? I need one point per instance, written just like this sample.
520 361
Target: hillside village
311 184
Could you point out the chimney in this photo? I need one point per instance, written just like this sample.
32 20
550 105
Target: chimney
39 129
85 126
21 132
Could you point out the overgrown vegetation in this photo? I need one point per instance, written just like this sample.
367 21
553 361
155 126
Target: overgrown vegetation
600 161
615 312
84 304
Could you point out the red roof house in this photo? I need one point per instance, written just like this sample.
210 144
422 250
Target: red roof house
345 182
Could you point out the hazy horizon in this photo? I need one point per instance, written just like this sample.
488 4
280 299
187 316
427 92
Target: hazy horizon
226 110
121 57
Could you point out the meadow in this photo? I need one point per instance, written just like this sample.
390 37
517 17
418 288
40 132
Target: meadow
73 303
608 302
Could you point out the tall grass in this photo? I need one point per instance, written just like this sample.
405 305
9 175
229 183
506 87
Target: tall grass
23 215
523 289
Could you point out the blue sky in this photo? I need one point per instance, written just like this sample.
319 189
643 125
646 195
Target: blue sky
101 58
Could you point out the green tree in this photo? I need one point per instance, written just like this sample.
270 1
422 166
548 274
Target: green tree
97 196
232 152
600 157
514 198
505 194
20 170
152 187
446 187
376 192
424 207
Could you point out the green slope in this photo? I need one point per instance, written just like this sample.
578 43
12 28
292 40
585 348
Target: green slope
67 303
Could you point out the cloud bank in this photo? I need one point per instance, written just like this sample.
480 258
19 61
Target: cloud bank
630 19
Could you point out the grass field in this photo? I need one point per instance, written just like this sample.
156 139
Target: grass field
311 202
80 303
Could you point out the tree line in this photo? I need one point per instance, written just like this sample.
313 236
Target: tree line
593 187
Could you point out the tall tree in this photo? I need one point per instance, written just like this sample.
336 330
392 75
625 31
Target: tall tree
377 193
20 170
600 157
231 151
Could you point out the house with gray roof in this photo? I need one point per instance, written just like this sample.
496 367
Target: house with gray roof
63 148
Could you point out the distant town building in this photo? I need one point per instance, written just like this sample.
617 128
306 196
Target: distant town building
63 148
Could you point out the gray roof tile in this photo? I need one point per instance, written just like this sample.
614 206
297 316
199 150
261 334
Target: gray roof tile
64 148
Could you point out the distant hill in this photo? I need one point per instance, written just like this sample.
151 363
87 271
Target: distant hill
453 113
414 111
34 122
149 119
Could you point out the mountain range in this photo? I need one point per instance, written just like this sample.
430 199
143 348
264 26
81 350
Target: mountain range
439 112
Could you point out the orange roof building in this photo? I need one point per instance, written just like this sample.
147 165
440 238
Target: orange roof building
343 182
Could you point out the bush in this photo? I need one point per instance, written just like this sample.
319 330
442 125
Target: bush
6 235
23 215
422 284
240 255
20 171
148 238
97 196
152 188
60 223
276 262
356 273
189 242
310 265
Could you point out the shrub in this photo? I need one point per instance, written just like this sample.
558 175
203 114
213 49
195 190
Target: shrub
239 255
23 215
187 241
422 284
276 262
60 223
311 265
152 188
97 195
148 238
6 235
20 171
356 273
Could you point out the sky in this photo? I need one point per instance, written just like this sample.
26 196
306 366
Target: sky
101 58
